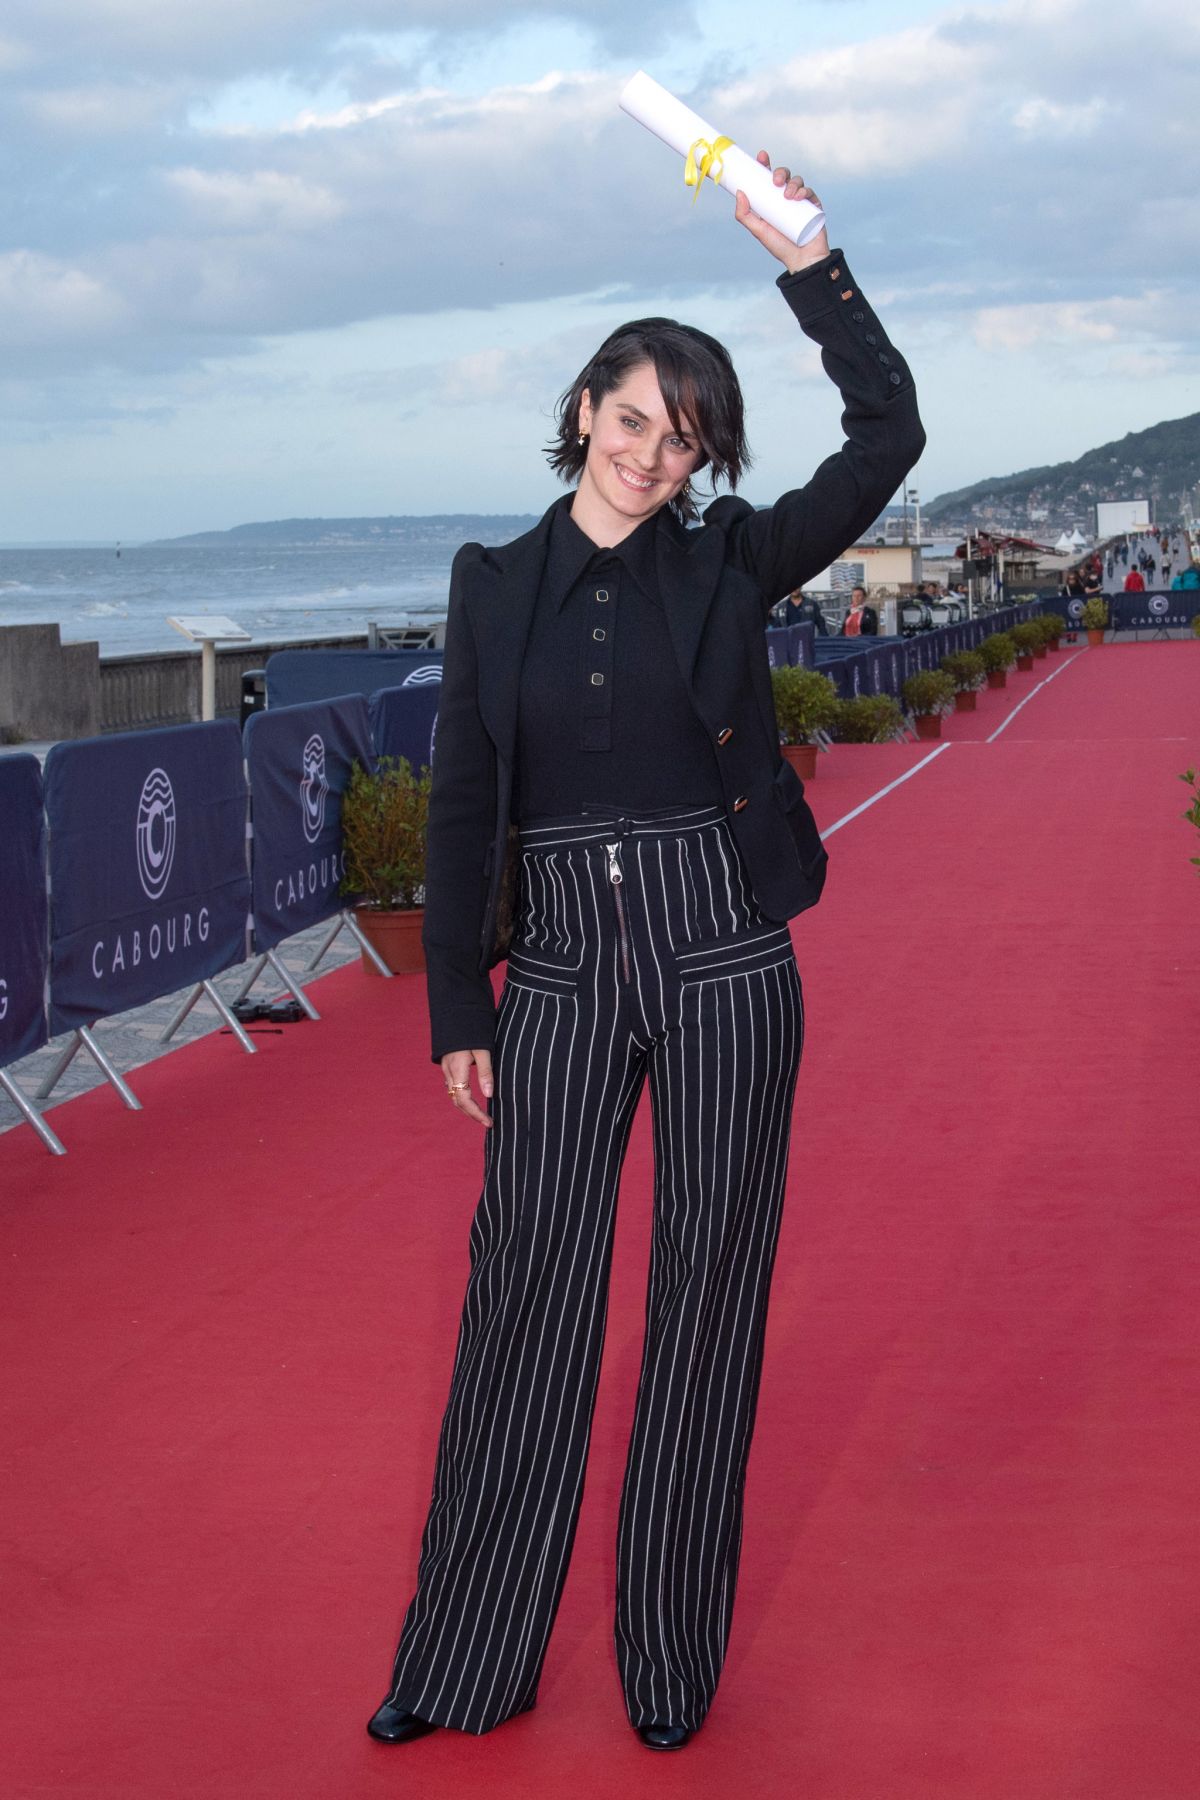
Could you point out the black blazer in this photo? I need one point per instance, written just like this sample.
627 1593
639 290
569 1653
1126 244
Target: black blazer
718 583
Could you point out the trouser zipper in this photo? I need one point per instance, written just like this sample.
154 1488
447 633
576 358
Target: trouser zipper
616 877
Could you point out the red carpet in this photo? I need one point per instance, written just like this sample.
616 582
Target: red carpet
971 1548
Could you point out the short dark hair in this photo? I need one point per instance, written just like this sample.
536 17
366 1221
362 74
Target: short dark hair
696 377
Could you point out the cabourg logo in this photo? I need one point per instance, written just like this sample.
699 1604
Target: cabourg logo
423 676
1159 604
313 787
155 833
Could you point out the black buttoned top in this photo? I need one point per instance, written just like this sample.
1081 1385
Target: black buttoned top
604 716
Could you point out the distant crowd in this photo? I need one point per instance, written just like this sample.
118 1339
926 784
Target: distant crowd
1136 563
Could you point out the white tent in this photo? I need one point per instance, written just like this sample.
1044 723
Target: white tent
1064 545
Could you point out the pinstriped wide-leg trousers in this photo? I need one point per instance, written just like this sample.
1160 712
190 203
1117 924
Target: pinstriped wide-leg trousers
639 951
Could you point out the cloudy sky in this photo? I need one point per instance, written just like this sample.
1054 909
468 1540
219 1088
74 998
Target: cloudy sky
264 258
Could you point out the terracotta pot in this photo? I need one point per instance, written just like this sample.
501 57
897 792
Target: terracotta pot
929 725
1095 637
1041 650
964 700
396 936
1025 663
997 678
803 758
1052 645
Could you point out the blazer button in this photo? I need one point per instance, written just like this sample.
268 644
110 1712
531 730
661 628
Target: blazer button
858 315
895 378
740 802
725 733
872 339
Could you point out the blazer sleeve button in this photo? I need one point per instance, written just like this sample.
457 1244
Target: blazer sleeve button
725 733
740 802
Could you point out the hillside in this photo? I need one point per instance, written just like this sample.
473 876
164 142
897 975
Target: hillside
1161 464
453 528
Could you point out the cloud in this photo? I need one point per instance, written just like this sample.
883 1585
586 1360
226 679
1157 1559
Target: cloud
1014 180
265 199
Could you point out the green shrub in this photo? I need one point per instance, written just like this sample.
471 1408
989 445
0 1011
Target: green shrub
966 670
998 652
1026 636
868 719
805 703
928 691
1053 625
385 817
1094 616
1196 626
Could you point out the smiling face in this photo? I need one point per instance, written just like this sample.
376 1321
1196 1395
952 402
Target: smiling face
637 460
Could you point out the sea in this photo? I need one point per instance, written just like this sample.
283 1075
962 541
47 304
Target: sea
123 601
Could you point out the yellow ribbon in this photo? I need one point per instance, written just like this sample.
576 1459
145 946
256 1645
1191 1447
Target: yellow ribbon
709 163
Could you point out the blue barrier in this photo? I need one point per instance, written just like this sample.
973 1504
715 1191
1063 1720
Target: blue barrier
801 639
1161 610
299 760
148 880
296 677
22 909
404 722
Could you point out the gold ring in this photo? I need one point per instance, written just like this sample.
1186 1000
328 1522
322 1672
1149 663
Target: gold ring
456 1087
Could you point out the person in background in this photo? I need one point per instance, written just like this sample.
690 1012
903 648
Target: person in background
1189 577
862 620
1092 584
802 609
1072 588
1135 582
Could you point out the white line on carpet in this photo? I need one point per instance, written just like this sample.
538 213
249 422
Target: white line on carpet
1029 696
899 781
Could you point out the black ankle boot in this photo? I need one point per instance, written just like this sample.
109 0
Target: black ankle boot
391 1726
664 1737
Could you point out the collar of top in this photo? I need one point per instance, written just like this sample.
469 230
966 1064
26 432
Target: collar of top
571 554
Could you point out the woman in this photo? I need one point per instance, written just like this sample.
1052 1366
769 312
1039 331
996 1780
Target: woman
610 806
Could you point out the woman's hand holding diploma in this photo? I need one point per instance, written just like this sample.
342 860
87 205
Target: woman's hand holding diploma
794 257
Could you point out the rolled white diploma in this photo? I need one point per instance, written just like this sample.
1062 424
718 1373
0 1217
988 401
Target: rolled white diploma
677 125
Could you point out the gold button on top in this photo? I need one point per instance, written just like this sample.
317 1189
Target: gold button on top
740 802
725 733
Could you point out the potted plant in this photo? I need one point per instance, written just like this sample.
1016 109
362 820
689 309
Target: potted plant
1052 627
805 702
1196 626
1028 640
1094 619
968 672
999 653
868 719
928 694
385 814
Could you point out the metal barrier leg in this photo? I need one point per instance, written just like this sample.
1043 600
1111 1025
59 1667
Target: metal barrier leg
260 963
83 1040
289 981
364 944
31 1114
207 989
292 985
326 942
182 1014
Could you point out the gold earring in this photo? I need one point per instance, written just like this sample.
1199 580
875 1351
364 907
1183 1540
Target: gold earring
583 438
